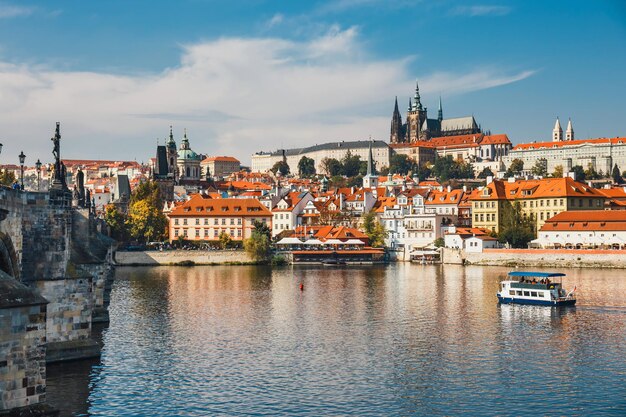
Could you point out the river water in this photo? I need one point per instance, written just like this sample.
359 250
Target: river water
400 340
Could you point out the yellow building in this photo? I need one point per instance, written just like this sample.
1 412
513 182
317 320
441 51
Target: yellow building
542 198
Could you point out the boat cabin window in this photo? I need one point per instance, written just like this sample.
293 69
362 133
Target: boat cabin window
533 293
519 293
526 293
511 292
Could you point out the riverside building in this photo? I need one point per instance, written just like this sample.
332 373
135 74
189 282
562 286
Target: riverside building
205 219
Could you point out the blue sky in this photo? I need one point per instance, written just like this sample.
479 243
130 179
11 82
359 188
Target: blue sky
244 76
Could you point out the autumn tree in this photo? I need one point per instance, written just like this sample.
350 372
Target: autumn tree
116 221
7 178
146 221
540 168
225 240
558 171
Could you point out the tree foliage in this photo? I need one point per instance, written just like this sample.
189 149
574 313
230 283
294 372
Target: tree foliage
306 167
446 168
225 240
350 164
145 221
332 166
486 172
515 229
540 168
517 166
617 176
558 171
7 178
282 167
439 242
374 230
579 173
401 164
116 222
258 244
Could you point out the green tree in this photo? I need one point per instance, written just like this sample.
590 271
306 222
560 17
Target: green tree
401 164
439 242
558 171
446 168
617 176
116 222
7 178
332 166
486 172
423 172
517 166
258 244
262 228
282 167
306 167
579 173
356 181
351 164
515 229
384 171
374 230
592 174
225 240
540 168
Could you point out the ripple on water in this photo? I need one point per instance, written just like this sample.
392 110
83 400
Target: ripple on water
402 340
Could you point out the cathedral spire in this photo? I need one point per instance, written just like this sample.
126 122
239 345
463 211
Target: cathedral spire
569 132
557 132
410 105
417 105
184 144
440 111
396 125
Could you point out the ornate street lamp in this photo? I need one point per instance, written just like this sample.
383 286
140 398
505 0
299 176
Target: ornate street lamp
0 148
38 166
22 158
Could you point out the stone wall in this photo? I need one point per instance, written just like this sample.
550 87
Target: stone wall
22 346
564 258
197 257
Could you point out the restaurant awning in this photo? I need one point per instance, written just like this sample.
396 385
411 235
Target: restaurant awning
289 241
333 242
313 242
354 242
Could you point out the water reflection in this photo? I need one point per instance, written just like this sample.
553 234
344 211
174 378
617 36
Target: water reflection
400 340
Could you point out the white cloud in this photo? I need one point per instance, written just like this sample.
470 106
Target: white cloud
8 11
235 95
276 20
482 10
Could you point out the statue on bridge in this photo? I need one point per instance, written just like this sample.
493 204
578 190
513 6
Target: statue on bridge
58 188
79 191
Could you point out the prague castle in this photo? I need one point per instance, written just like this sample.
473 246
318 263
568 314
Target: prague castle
419 127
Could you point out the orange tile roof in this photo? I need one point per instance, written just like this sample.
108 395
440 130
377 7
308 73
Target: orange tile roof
460 141
417 144
444 197
615 192
586 220
598 141
220 159
531 189
199 206
429 183
495 140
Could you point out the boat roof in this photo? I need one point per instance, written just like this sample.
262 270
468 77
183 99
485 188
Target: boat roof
536 274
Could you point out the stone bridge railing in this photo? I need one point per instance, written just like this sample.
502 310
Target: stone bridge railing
54 269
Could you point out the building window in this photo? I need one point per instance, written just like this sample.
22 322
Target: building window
232 233
197 221
215 222
223 221
197 232
176 222
185 222
206 221
206 232
238 232
215 233
176 232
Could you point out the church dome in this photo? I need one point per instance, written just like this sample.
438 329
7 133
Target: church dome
187 154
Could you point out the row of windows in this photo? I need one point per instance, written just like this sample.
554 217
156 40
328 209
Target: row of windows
216 221
528 293
489 217
280 216
216 232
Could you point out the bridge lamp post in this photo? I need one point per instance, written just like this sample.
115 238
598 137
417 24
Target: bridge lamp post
22 158
38 166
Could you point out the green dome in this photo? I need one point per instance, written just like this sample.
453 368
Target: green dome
187 154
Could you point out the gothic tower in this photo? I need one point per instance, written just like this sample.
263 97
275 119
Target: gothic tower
569 132
415 117
440 111
557 132
397 135
172 154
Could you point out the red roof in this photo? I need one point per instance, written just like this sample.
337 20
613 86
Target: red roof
539 145
220 159
200 206
587 220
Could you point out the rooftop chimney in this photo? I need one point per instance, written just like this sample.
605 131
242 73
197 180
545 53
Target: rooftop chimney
489 179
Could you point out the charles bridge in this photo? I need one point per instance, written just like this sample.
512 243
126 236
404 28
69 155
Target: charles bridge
55 273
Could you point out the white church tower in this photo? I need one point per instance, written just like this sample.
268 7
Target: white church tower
557 132
370 180
569 132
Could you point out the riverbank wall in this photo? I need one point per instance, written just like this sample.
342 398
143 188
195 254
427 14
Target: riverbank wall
560 258
182 257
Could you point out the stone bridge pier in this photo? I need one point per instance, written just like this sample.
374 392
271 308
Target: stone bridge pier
54 271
